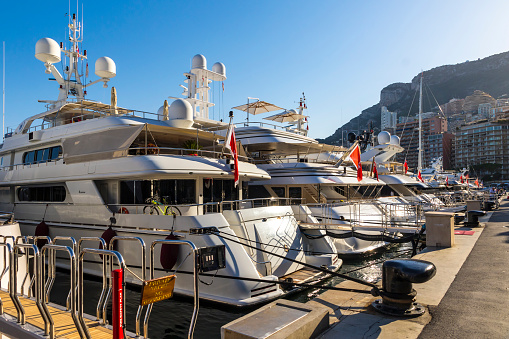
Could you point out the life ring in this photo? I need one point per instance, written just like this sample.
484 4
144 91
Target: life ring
152 149
169 253
41 230
123 210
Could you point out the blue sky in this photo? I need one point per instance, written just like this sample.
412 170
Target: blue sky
340 53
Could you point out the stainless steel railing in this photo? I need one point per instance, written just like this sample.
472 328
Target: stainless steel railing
194 249
105 253
142 278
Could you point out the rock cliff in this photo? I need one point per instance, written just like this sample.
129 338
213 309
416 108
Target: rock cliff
490 75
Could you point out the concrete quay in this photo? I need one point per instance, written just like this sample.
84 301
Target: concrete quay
467 298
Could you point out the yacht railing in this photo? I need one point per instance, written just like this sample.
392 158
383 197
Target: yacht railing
198 209
290 128
181 152
368 214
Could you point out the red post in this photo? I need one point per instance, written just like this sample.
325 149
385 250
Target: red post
118 304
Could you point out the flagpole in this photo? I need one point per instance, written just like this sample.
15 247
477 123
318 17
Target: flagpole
227 132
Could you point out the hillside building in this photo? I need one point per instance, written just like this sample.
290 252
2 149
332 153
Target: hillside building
435 142
388 119
484 142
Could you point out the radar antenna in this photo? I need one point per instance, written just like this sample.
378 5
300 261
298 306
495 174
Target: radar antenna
48 51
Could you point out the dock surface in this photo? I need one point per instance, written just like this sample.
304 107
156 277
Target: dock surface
64 325
468 297
477 303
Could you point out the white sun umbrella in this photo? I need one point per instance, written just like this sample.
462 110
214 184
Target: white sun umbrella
257 107
286 116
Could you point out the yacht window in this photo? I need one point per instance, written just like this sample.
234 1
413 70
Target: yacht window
46 194
280 191
28 158
55 152
176 191
216 190
169 192
258 192
295 192
42 155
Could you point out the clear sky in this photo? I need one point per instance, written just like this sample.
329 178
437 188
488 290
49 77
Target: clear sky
340 53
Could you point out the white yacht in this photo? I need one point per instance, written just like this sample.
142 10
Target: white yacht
316 177
89 169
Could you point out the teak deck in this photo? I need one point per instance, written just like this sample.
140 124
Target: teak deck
64 325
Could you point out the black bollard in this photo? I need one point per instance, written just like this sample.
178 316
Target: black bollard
398 296
473 218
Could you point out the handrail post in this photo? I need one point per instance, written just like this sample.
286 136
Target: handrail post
143 271
105 281
104 253
195 285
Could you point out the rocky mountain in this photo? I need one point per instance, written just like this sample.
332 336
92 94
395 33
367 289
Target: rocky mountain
490 75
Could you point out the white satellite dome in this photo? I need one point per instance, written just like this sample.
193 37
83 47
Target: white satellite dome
394 140
294 111
384 137
105 67
219 68
47 50
180 114
199 61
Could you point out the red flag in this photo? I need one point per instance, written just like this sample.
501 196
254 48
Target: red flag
231 144
375 170
419 176
222 84
405 165
446 181
461 178
356 159
477 182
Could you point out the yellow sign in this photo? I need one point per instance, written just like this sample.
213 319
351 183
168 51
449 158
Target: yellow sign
157 289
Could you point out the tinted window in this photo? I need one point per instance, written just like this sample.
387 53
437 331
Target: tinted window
46 194
42 155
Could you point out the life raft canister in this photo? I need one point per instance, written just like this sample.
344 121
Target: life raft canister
169 253
42 230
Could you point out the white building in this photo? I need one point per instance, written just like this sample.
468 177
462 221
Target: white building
388 119
484 110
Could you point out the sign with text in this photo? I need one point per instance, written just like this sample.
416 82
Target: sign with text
157 289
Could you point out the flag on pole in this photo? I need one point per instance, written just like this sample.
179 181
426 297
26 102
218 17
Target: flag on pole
355 156
222 85
231 144
477 182
461 178
375 170
405 165
446 181
419 176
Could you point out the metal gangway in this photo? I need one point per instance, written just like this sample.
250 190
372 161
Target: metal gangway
25 307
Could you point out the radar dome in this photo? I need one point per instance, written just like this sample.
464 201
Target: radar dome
47 50
180 114
219 68
105 67
384 137
199 61
293 111
394 140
